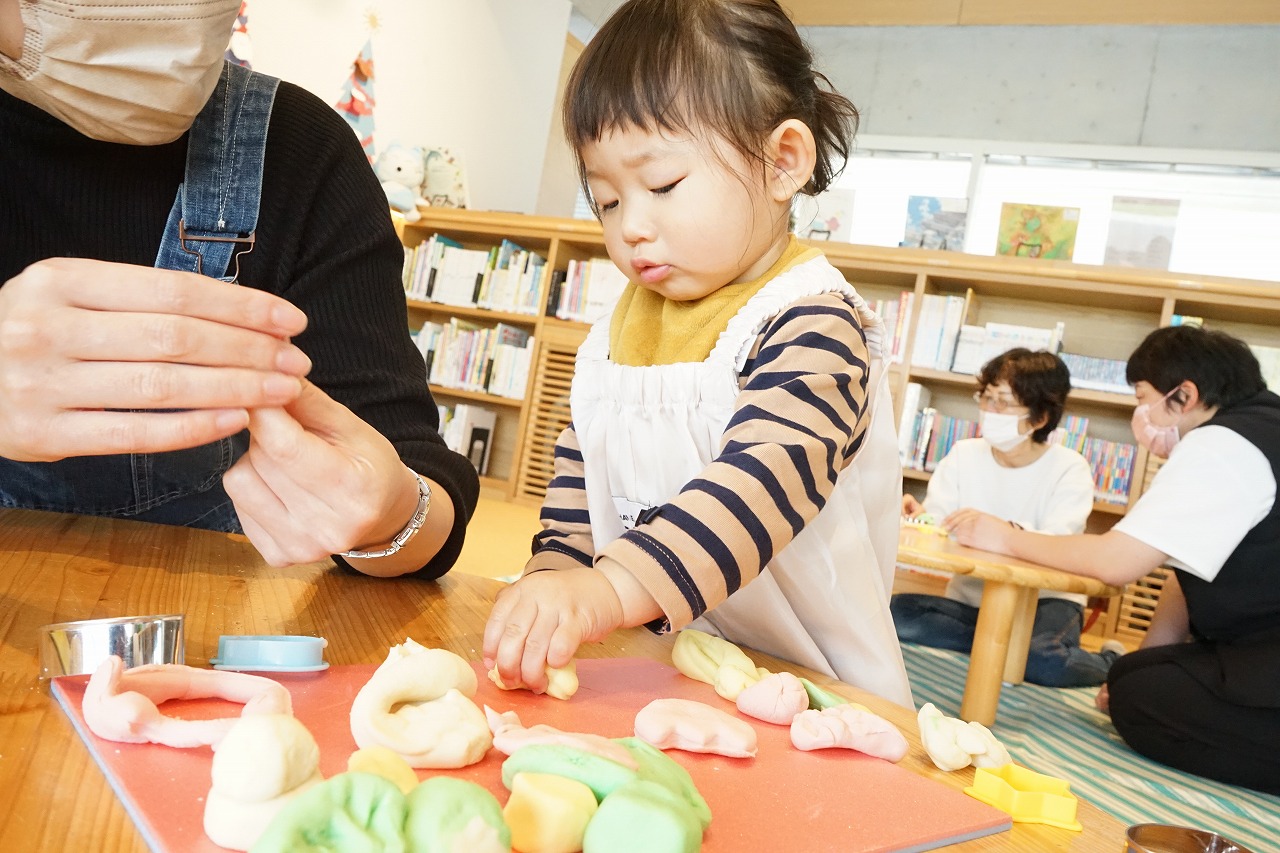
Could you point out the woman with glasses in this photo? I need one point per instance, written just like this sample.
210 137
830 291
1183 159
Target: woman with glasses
1014 476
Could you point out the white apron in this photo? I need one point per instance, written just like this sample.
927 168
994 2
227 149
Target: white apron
823 601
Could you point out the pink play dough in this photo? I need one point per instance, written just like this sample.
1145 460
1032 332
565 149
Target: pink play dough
120 705
849 728
695 727
509 734
776 698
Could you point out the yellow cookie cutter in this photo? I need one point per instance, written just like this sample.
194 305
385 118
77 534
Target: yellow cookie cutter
1027 796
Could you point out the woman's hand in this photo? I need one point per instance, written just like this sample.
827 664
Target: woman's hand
317 480
979 530
83 342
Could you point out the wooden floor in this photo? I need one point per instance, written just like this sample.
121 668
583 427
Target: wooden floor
498 538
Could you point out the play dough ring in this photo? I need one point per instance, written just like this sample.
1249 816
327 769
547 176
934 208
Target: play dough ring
351 811
121 705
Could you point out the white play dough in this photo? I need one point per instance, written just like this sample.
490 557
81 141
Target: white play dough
562 681
953 744
435 724
264 761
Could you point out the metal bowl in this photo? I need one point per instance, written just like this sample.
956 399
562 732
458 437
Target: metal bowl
75 648
1162 838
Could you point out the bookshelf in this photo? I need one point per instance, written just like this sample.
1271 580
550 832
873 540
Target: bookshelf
1105 312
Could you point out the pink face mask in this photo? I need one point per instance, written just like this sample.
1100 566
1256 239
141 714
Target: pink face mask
1158 440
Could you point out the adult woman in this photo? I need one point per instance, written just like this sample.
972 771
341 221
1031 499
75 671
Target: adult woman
1012 476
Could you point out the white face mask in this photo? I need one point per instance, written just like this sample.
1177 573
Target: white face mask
1001 430
132 73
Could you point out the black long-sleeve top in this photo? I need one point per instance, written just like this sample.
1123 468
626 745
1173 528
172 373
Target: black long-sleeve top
324 242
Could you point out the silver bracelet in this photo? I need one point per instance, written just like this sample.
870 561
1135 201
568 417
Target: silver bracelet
410 530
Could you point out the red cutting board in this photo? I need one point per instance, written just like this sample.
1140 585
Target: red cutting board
783 799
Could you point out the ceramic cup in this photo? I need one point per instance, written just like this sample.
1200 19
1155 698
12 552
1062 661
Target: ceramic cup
1162 838
75 648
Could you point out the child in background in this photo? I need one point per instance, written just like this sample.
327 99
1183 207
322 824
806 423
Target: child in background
1014 475
731 462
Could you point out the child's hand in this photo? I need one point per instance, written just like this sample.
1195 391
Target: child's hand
542 619
910 506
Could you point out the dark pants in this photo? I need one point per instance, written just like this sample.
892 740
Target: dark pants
1054 659
1165 713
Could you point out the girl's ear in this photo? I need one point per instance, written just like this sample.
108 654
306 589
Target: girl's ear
792 155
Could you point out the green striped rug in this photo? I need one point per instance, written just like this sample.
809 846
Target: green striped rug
1059 732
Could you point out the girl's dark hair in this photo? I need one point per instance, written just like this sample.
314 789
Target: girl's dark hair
735 67
1223 368
1040 380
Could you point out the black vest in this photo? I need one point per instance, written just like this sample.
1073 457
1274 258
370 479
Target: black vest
1243 601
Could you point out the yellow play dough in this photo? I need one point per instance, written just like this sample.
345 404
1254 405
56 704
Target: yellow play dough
385 762
548 814
715 661
562 681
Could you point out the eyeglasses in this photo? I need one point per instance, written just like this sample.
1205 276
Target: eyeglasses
996 404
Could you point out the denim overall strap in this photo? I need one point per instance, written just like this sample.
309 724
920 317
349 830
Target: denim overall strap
218 199
216 212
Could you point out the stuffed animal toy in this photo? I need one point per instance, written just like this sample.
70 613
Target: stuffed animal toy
401 170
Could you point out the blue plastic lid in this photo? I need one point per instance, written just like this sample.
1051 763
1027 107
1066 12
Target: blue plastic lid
261 653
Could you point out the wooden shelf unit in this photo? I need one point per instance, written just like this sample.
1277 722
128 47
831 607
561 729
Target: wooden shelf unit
1106 310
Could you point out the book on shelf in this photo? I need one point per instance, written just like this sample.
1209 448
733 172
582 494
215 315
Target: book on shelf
1037 231
915 398
506 277
934 222
468 429
896 314
1186 320
1097 374
1111 462
1269 361
938 329
999 338
590 289
933 434
1141 232
969 349
470 356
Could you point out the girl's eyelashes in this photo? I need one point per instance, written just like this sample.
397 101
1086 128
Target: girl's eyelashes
668 188
607 206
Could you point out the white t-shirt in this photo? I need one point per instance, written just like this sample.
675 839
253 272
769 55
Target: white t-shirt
1215 488
1054 494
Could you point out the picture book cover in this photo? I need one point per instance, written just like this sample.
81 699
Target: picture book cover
1141 232
446 181
934 222
1037 231
831 219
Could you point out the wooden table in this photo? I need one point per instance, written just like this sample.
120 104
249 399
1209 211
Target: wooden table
59 567
1006 613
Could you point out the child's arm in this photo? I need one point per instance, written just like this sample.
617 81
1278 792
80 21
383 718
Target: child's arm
565 540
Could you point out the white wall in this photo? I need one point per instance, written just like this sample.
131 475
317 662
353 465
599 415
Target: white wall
477 76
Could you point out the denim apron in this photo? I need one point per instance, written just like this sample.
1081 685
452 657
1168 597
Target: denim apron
212 222
823 600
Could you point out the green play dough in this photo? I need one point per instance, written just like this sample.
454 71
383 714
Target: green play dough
442 807
350 812
643 817
656 766
819 699
599 774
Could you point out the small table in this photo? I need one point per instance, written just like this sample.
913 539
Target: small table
1006 614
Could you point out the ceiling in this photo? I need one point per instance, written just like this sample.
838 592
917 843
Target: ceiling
859 13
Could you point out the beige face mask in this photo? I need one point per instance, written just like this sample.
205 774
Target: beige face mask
137 74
